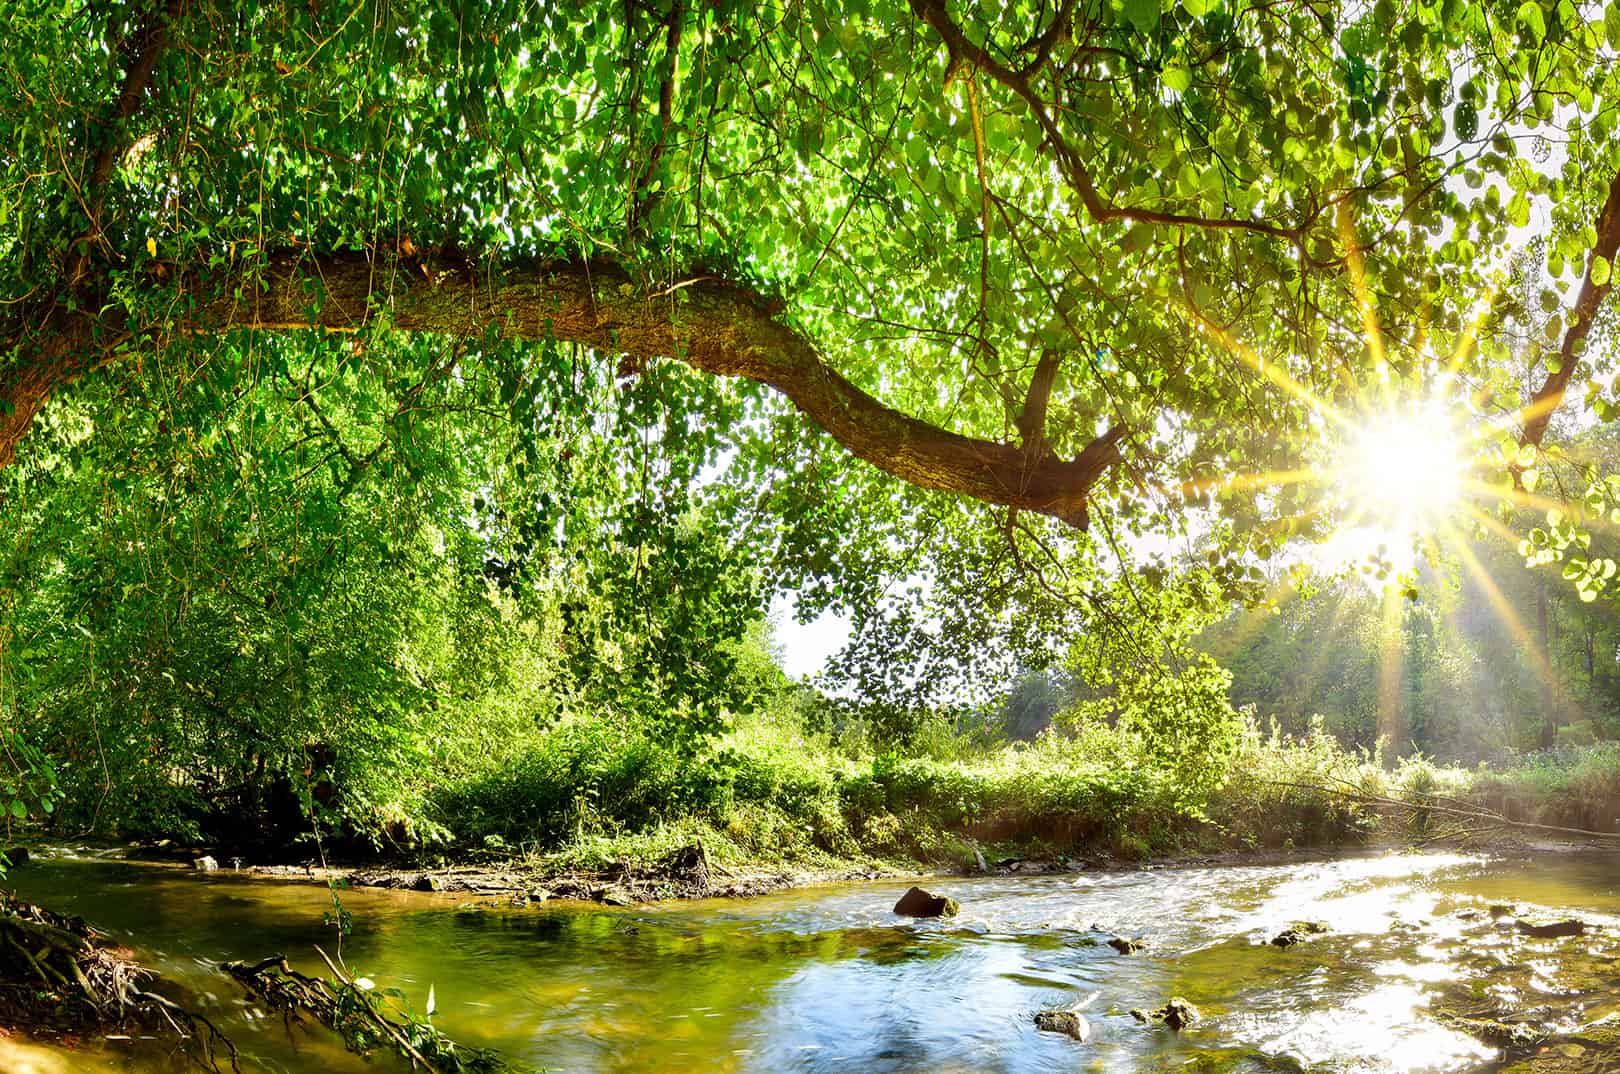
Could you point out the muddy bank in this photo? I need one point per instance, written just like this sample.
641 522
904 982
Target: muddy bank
690 873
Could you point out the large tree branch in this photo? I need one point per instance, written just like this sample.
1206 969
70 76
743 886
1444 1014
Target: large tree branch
1580 317
41 354
711 325
1032 418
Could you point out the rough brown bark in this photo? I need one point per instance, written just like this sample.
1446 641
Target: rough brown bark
39 357
1551 393
711 325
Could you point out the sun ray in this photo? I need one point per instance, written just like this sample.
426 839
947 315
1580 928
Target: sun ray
1271 371
1255 617
1364 303
1503 607
1391 666
1267 479
1493 524
1278 592
1470 336
1530 500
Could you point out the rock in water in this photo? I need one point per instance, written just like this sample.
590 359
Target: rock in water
1551 930
206 864
1298 932
1069 1023
1126 946
920 903
17 856
1177 1014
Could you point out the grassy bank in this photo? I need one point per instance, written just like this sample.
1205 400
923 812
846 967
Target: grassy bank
593 796
790 789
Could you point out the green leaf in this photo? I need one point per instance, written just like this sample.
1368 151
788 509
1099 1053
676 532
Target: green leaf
1142 14
1518 210
1600 270
1531 18
1177 78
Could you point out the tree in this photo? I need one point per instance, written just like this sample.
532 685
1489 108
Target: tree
994 251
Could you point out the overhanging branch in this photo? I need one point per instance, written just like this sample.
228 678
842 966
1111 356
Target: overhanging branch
965 52
712 325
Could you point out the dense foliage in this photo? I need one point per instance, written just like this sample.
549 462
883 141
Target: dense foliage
409 409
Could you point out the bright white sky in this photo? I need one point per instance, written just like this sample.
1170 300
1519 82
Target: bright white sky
806 647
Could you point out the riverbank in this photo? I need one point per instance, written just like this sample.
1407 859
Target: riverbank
792 811
688 875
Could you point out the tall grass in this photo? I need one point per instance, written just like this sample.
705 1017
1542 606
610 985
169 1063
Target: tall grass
592 791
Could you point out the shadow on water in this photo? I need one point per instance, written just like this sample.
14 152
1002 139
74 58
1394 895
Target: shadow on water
828 979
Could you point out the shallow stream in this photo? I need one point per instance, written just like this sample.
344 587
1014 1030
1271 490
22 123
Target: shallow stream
828 980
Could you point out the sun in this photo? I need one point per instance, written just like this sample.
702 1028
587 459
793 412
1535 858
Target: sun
1403 471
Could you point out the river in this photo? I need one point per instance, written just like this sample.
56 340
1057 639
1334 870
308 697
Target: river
828 980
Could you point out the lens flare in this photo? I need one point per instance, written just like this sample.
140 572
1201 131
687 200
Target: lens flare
1404 470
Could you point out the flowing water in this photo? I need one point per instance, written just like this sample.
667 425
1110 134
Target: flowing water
828 980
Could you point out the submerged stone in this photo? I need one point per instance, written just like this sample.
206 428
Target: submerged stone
920 903
1588 1050
1069 1023
1552 930
1498 1034
1178 1013
1298 932
1125 945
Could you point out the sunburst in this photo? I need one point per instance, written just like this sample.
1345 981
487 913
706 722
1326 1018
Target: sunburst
1409 461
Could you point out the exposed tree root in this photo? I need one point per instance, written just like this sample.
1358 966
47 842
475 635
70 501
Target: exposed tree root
58 974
